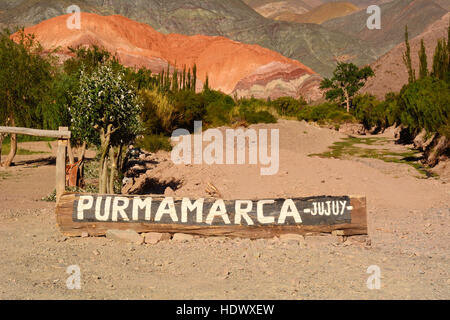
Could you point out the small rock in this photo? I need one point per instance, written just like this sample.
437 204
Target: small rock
155 237
96 252
182 237
291 237
84 234
125 236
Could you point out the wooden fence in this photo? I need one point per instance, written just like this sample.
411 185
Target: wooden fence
63 135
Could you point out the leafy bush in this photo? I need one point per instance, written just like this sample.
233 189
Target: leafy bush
158 112
425 104
219 108
154 142
255 111
189 107
325 113
370 111
288 106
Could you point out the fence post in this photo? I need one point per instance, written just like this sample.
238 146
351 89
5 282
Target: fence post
61 165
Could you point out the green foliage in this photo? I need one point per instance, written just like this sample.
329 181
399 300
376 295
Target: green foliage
407 59
441 61
158 112
88 59
105 100
154 142
288 106
347 80
189 107
423 63
325 113
370 112
425 104
25 77
219 108
254 111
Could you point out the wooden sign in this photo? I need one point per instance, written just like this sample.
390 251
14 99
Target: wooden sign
95 214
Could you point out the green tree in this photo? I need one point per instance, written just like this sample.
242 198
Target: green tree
407 59
423 63
347 80
425 104
25 76
194 78
106 114
441 61
206 84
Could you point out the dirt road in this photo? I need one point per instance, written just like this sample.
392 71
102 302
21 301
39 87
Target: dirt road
408 219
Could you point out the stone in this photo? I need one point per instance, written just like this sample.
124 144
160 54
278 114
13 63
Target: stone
182 237
84 234
155 237
129 235
352 128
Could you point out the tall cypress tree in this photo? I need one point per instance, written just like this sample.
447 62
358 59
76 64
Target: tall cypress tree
423 64
189 79
194 76
407 59
175 80
183 81
441 61
206 84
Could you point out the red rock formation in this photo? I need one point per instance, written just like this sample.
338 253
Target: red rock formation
228 63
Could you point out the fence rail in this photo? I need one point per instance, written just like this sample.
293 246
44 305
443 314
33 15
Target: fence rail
64 134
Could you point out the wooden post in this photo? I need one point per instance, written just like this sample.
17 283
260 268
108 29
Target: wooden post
61 165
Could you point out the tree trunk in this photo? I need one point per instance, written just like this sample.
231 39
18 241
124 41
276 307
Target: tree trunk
105 139
81 156
347 100
104 186
12 152
119 165
113 159
82 153
70 153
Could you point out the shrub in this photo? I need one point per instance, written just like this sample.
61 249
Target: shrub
325 113
255 111
370 111
425 104
288 106
158 112
154 143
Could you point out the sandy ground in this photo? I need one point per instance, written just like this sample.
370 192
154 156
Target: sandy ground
408 219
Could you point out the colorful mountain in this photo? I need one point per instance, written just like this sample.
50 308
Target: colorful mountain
312 45
231 66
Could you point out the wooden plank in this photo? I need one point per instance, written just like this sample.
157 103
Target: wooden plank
95 214
61 165
64 134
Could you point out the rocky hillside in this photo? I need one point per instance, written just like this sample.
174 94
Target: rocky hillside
391 73
313 45
274 8
417 14
320 14
232 67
